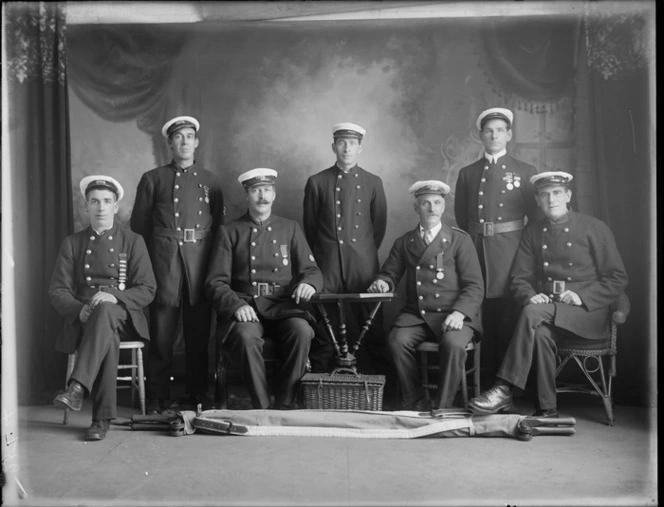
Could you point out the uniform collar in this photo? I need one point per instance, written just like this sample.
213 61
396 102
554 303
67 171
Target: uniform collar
352 169
495 157
107 231
178 168
264 223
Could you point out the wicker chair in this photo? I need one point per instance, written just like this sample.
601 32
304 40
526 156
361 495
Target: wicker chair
426 348
136 378
583 352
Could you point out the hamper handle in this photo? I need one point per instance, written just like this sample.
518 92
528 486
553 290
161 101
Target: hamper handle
344 370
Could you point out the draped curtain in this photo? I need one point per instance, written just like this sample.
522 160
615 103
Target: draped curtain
618 54
122 72
40 178
530 62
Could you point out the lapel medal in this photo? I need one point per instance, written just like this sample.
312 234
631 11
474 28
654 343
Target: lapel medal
122 271
517 181
509 178
439 266
284 254
206 189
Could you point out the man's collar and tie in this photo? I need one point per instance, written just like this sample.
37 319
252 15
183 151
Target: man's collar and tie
427 235
493 159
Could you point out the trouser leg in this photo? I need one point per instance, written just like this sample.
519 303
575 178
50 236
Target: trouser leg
452 348
245 344
163 329
545 366
519 356
196 331
97 358
499 316
294 335
401 345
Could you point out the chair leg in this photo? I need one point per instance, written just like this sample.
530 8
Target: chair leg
424 372
141 379
464 386
134 383
476 371
221 384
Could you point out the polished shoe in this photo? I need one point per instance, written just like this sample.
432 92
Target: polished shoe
98 430
497 399
155 406
72 398
549 412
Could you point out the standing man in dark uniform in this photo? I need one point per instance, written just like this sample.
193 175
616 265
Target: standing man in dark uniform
261 275
178 207
566 274
101 284
345 215
493 196
444 290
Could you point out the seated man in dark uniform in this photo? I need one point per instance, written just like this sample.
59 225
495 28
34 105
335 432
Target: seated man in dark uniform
260 275
444 292
101 284
566 273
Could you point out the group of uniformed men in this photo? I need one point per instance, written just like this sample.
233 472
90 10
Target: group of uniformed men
518 244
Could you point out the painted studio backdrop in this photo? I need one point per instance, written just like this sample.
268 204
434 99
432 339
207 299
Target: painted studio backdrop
267 95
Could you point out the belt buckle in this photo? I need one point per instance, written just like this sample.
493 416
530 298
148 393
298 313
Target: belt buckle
263 289
189 236
487 228
558 287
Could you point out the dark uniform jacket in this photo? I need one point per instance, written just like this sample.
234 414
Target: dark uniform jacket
581 252
482 195
429 298
247 253
170 199
345 216
87 261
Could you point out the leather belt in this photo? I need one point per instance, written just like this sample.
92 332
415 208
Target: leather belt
185 235
553 288
491 228
260 288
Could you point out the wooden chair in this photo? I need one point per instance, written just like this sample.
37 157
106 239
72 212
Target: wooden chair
227 367
426 348
136 378
589 356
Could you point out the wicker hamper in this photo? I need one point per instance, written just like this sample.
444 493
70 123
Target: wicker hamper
343 389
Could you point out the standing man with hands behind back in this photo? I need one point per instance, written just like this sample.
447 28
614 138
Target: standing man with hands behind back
493 196
178 208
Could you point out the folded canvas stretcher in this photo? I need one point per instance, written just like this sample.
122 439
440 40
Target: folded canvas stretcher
358 424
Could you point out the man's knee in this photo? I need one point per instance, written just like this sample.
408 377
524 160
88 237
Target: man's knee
107 314
247 336
454 342
300 330
398 340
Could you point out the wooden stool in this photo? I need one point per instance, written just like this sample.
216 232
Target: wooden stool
426 348
136 379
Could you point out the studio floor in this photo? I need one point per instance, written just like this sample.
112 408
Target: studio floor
599 465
